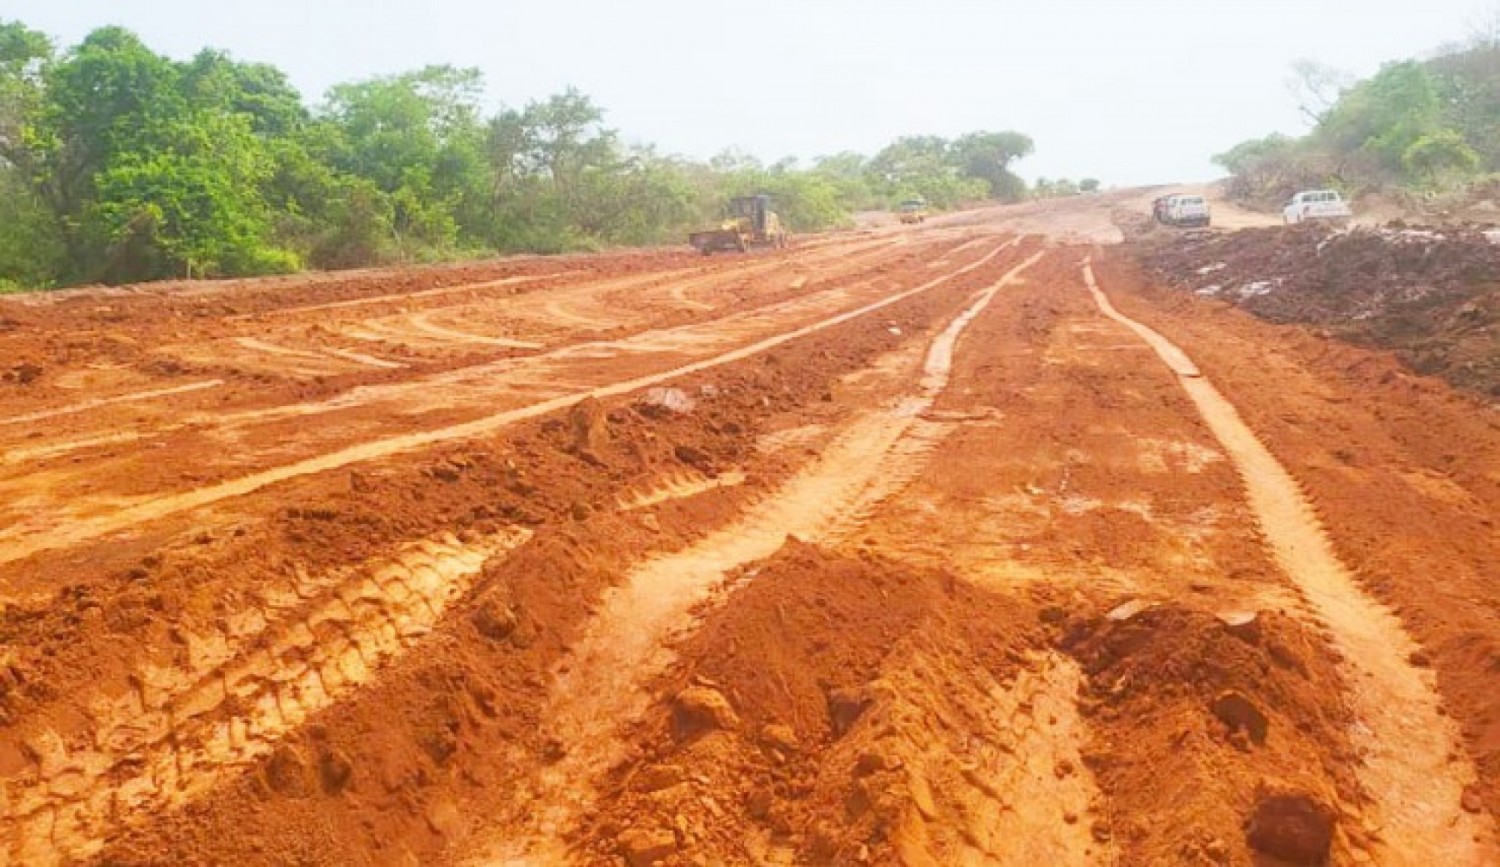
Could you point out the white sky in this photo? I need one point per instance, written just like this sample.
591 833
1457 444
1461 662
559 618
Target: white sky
1129 92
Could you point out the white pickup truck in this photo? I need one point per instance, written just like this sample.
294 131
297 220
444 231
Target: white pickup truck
1316 205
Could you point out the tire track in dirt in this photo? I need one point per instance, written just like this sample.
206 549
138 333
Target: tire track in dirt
549 376
35 454
423 323
182 728
603 685
402 332
1412 767
1082 479
844 251
402 297
330 359
95 403
368 360
994 768
87 527
675 486
604 300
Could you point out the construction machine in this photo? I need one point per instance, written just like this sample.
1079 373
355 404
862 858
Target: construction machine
748 222
912 211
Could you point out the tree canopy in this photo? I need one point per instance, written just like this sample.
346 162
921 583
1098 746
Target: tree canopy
120 164
1424 126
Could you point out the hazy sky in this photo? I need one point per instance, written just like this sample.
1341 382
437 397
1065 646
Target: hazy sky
1129 91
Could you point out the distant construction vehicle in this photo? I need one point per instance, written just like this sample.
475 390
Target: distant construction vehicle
748 222
912 211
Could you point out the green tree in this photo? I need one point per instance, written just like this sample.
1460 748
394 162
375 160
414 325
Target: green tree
110 96
31 243
118 163
214 80
918 167
1385 115
988 156
550 163
1246 155
1438 153
25 56
849 174
193 208
418 139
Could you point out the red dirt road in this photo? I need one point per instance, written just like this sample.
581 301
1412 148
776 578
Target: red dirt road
958 544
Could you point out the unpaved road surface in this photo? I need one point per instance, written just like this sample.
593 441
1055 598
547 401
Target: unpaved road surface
957 544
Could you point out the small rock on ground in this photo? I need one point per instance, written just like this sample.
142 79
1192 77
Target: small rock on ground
642 847
699 709
1241 714
1292 826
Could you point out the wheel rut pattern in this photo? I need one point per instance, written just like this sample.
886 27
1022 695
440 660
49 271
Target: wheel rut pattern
177 730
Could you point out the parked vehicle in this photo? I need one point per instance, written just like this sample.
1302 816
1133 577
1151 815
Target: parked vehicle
1316 205
1181 210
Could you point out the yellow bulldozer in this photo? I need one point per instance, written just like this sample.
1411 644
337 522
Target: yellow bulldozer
748 222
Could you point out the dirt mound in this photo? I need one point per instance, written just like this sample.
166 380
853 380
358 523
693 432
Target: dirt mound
819 661
1430 294
1209 718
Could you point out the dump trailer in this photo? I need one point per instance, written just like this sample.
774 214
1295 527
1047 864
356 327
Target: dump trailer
748 222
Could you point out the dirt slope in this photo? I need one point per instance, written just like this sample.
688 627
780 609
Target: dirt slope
1430 294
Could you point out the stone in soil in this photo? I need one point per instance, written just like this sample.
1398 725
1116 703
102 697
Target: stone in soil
846 706
780 737
657 777
287 773
495 618
1291 826
1240 714
700 709
642 847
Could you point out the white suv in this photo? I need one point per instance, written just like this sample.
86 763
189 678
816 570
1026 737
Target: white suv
1316 205
1181 210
